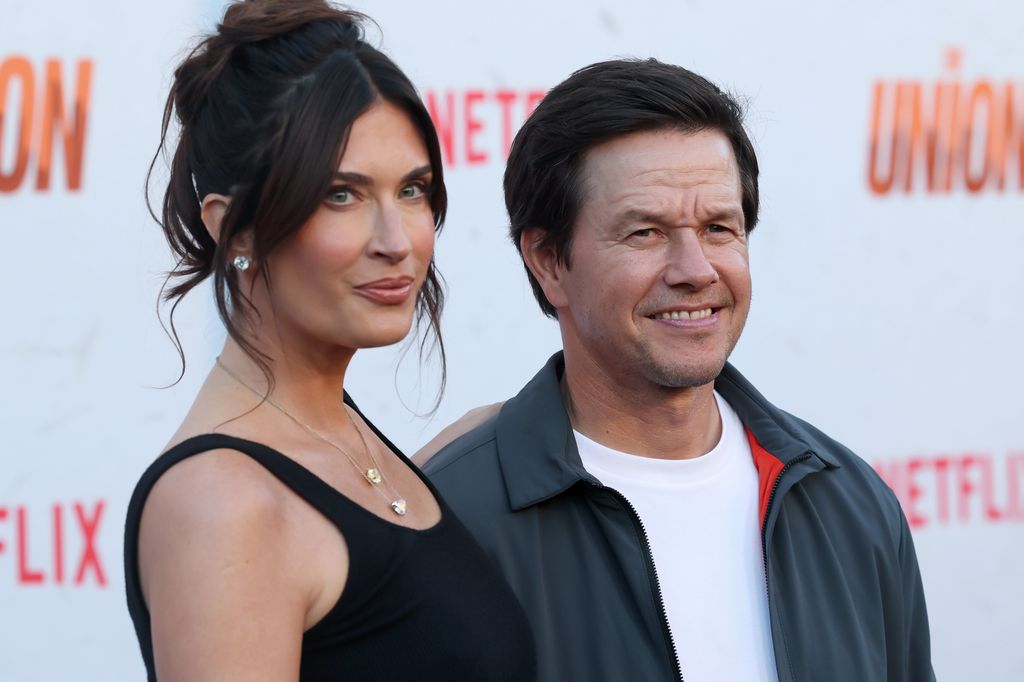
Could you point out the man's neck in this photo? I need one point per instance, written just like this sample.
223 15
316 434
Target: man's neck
640 417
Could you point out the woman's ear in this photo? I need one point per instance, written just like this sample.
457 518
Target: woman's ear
213 209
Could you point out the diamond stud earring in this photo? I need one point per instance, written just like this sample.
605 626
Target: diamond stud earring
241 263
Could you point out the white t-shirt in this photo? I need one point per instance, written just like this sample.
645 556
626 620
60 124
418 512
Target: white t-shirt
701 517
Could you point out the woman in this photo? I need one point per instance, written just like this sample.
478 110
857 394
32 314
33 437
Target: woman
281 536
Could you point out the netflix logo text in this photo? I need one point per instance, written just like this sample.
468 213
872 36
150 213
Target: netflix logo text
940 490
54 545
476 126
947 135
40 104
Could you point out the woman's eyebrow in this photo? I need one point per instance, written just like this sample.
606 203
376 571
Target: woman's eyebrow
418 173
361 180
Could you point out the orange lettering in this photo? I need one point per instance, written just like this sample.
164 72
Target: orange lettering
11 69
1007 139
978 125
953 138
923 132
54 116
962 135
878 183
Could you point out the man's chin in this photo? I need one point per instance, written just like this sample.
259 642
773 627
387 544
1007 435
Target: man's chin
685 376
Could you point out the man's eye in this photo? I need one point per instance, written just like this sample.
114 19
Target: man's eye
645 232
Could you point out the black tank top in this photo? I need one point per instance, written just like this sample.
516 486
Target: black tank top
417 604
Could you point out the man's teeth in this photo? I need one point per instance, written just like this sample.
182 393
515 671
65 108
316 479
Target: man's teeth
683 315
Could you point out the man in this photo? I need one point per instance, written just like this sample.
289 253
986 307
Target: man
658 518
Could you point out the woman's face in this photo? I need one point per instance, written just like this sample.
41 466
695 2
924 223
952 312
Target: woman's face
350 276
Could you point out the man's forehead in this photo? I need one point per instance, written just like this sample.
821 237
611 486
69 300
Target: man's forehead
664 158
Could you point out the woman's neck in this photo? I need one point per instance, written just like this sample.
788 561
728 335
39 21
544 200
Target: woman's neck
307 385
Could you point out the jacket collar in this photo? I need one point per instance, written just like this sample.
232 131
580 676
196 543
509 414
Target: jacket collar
536 445
778 432
537 449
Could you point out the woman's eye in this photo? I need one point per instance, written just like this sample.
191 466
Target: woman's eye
413 191
339 196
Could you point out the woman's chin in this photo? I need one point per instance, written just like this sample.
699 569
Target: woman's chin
383 336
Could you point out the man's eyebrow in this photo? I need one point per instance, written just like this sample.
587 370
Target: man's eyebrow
641 215
722 211
714 212
366 181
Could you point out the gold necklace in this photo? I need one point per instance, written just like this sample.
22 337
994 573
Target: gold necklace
373 475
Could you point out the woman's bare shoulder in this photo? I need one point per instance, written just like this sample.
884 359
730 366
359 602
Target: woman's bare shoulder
220 486
214 550
217 508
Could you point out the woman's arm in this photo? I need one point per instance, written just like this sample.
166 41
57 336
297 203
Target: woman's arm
225 599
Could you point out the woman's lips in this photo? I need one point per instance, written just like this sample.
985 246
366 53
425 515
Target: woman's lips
388 291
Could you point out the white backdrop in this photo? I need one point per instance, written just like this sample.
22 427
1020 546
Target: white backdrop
887 303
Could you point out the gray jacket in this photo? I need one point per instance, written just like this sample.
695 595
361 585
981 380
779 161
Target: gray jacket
844 592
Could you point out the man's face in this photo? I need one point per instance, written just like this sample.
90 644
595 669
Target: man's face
658 287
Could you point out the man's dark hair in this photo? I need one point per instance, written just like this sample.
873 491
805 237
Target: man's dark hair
544 181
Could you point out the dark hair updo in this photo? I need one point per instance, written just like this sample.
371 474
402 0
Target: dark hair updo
264 107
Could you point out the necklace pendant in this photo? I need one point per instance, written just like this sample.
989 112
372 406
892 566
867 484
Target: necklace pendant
398 506
373 476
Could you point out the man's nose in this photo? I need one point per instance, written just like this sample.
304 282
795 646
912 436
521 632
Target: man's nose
688 264
390 240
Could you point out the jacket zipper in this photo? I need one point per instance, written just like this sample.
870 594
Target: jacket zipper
653 573
764 532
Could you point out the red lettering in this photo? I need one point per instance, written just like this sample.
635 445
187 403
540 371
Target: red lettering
90 557
3 517
890 474
58 544
988 493
1014 474
942 487
444 121
533 98
966 487
26 575
929 487
468 122
506 98
913 493
473 126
